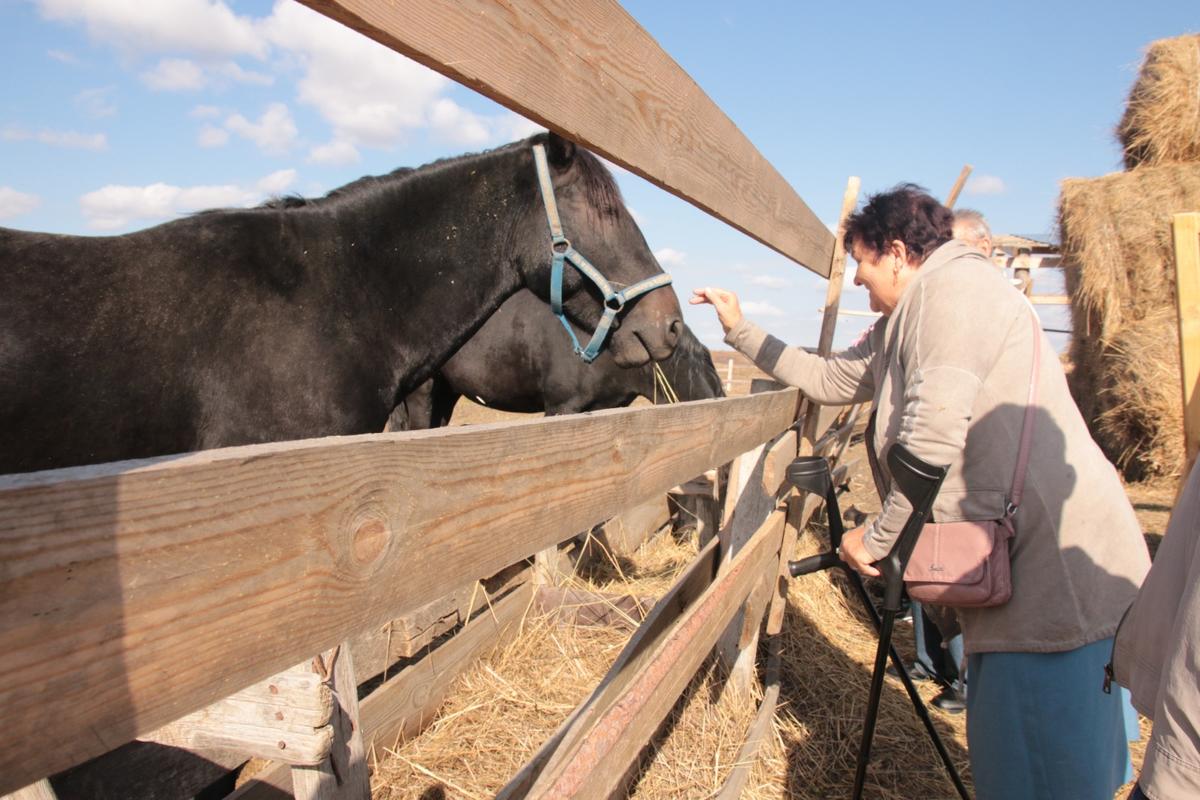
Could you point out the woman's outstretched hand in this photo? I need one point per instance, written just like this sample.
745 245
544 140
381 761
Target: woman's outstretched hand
729 312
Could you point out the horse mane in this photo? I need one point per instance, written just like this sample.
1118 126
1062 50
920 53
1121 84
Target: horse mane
363 184
599 186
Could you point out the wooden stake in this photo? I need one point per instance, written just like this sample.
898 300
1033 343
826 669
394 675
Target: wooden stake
952 198
1187 295
343 775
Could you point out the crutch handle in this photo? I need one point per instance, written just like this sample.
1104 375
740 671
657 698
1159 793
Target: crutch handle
814 564
919 481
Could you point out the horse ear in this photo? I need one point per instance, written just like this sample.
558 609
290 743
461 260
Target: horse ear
561 151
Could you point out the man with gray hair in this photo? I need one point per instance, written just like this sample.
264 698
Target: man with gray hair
971 228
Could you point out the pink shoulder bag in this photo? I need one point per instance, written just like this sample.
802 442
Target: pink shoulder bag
966 564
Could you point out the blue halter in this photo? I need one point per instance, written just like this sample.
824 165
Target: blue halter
561 250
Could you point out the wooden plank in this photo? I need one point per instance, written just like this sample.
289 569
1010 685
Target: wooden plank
595 755
377 649
735 781
1050 299
1187 295
959 183
690 585
223 567
343 774
586 69
762 474
572 607
402 706
405 704
285 717
629 530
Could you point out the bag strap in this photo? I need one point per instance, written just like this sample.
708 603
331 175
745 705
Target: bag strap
1018 481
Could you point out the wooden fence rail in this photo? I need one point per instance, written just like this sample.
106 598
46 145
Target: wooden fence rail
134 593
586 69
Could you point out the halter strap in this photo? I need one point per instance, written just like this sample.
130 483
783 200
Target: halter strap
561 251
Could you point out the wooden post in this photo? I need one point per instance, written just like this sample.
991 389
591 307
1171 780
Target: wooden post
749 491
343 775
1187 295
952 198
833 297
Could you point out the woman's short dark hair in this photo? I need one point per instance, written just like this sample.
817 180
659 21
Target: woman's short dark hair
905 212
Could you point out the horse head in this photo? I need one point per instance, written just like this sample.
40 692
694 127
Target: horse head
597 225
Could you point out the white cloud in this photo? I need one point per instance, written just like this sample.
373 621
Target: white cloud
511 126
205 112
68 139
236 73
63 56
201 27
761 309
670 257
458 125
274 133
770 281
112 207
14 203
174 75
277 182
985 184
212 136
97 102
369 94
182 74
335 153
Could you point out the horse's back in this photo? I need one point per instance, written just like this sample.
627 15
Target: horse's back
188 335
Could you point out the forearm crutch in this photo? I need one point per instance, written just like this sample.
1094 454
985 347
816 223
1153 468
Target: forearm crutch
919 482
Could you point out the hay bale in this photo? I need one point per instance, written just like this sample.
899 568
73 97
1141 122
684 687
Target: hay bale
1161 124
1116 233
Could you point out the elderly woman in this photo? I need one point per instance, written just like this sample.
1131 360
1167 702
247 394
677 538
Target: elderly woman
948 369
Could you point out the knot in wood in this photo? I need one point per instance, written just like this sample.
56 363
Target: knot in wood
370 537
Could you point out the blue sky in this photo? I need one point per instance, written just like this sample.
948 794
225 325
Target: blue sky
116 114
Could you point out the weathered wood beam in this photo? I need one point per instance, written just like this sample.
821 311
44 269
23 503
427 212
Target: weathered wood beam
605 740
586 69
735 781
223 567
572 607
690 585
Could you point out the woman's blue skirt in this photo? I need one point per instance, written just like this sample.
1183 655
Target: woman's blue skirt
1040 726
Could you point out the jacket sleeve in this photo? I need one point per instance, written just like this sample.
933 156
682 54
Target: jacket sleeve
950 339
841 378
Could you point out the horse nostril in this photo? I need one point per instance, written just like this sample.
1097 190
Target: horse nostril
676 330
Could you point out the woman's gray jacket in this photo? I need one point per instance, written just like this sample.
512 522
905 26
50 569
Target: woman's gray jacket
948 371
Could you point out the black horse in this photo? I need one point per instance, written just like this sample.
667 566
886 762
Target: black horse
299 318
521 360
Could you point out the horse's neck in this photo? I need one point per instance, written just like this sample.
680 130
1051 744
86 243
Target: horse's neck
443 256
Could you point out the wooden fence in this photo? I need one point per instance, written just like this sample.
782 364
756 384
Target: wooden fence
239 589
